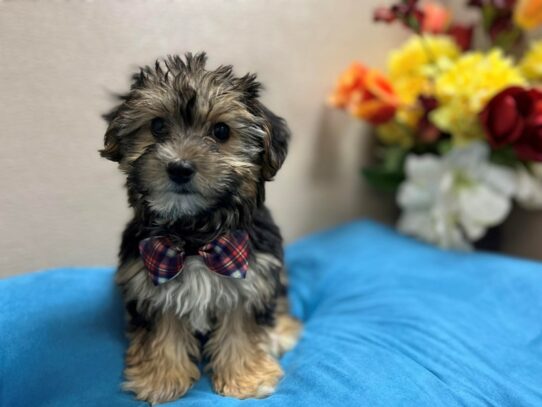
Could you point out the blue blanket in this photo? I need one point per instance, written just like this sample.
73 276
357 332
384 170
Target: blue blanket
388 322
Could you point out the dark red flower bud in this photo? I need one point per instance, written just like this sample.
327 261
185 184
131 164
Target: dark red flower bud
406 11
384 14
427 131
462 35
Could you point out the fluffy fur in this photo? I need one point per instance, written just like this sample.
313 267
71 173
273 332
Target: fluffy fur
245 322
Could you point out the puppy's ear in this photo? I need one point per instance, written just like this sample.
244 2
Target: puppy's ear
277 133
276 142
111 149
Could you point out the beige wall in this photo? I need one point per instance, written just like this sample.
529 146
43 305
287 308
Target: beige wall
60 204
63 205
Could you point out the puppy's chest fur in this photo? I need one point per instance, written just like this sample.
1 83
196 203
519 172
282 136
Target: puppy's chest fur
199 295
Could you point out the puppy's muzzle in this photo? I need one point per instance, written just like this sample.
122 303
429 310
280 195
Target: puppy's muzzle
181 172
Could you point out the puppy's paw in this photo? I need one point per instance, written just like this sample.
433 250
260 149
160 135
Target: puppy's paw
254 379
285 334
158 384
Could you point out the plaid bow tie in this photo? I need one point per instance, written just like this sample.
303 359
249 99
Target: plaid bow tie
227 256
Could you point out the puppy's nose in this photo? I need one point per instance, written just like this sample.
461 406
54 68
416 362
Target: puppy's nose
181 171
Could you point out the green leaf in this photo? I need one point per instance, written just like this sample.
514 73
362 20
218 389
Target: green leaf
489 13
380 178
413 23
504 156
444 146
508 39
393 158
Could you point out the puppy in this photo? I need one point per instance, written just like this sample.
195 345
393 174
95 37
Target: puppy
201 262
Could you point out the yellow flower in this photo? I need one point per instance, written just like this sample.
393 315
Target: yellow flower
412 68
395 132
531 64
465 87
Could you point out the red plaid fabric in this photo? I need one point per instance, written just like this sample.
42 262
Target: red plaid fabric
227 256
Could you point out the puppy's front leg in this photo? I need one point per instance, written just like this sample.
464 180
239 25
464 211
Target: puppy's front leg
240 359
160 362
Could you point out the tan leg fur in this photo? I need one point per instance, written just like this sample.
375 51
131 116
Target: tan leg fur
158 362
241 363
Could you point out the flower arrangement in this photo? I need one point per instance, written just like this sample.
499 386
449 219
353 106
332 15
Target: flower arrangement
459 129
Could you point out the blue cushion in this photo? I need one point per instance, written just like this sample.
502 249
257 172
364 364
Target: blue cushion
388 322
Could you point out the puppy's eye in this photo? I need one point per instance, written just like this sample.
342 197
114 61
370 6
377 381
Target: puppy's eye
158 127
221 132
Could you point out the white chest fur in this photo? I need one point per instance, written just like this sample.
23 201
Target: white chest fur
197 293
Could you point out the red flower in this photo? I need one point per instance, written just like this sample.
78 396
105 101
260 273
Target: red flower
514 117
508 114
366 93
529 146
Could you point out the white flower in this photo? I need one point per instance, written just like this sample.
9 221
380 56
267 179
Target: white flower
529 186
452 200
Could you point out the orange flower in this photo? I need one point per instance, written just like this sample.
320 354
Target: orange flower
366 93
528 14
436 18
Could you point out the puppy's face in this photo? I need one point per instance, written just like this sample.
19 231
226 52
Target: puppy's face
191 140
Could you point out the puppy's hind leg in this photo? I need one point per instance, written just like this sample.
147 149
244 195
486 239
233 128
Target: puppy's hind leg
286 330
160 361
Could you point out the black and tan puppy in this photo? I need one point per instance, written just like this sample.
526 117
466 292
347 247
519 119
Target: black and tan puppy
202 257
